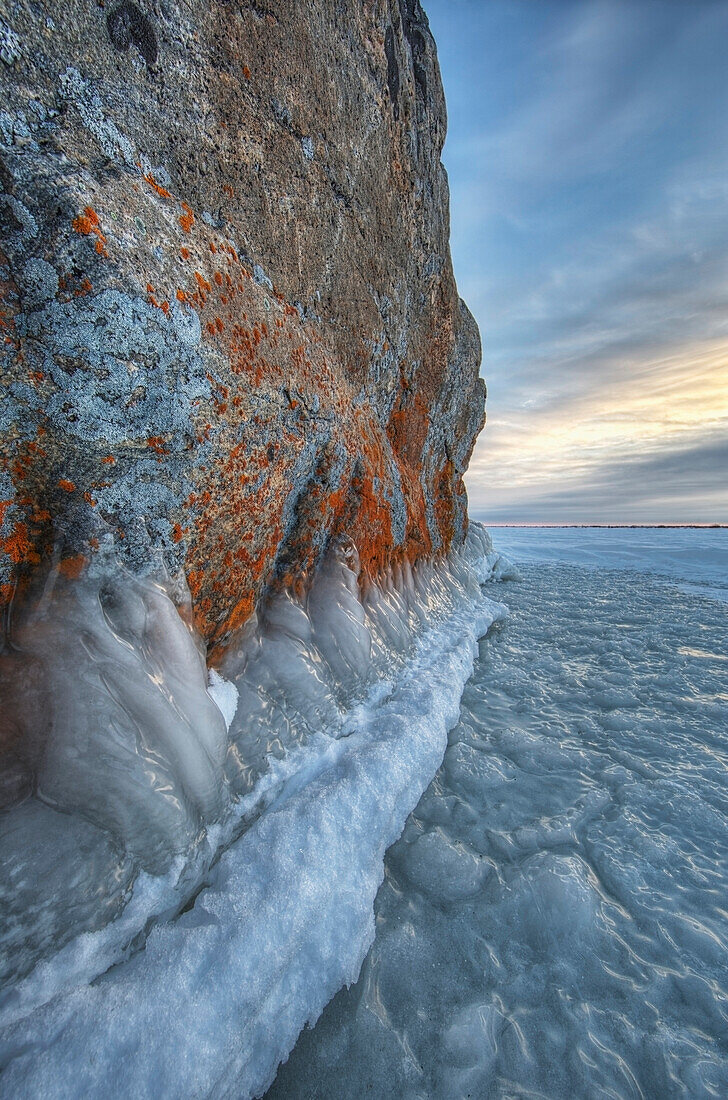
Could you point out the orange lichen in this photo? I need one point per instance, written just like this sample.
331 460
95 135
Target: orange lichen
161 191
444 502
88 224
195 577
236 514
19 547
240 612
109 460
187 220
17 467
66 485
158 445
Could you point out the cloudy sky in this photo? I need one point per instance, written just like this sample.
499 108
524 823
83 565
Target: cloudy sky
588 161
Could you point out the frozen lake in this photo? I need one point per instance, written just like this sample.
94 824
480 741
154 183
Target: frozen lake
553 919
551 922
697 557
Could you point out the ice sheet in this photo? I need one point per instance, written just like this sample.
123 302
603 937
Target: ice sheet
694 555
553 919
342 719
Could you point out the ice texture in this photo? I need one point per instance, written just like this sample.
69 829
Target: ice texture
224 694
695 558
220 839
553 918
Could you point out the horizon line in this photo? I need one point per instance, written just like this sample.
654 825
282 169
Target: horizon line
621 526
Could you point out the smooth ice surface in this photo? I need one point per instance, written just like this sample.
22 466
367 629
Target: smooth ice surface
553 921
200 888
696 557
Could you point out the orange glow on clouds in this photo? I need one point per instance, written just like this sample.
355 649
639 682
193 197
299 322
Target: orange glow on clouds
660 406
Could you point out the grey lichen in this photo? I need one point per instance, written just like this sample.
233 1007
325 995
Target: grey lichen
261 278
39 282
87 101
120 368
18 219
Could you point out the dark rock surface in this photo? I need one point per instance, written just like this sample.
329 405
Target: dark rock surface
229 325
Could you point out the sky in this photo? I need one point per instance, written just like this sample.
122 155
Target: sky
587 153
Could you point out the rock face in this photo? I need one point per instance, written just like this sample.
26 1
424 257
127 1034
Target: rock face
230 327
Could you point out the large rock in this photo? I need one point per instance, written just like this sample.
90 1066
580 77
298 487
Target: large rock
231 330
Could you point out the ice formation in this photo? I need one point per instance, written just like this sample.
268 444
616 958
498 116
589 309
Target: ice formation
232 827
552 921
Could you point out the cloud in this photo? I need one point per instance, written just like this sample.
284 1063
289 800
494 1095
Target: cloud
588 161
680 486
536 459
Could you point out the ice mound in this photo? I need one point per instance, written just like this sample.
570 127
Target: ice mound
114 720
234 825
470 1048
551 898
499 566
444 869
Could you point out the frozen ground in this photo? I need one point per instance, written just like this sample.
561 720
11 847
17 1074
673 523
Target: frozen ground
553 921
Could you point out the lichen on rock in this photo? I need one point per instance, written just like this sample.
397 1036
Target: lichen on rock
230 329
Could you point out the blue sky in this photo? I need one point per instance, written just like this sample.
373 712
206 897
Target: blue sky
587 152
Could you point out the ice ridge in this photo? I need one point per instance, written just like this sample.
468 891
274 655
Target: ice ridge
285 779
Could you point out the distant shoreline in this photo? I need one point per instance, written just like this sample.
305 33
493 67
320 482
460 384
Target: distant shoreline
615 526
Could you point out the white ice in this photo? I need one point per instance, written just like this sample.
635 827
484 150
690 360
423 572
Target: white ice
237 866
553 919
224 694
